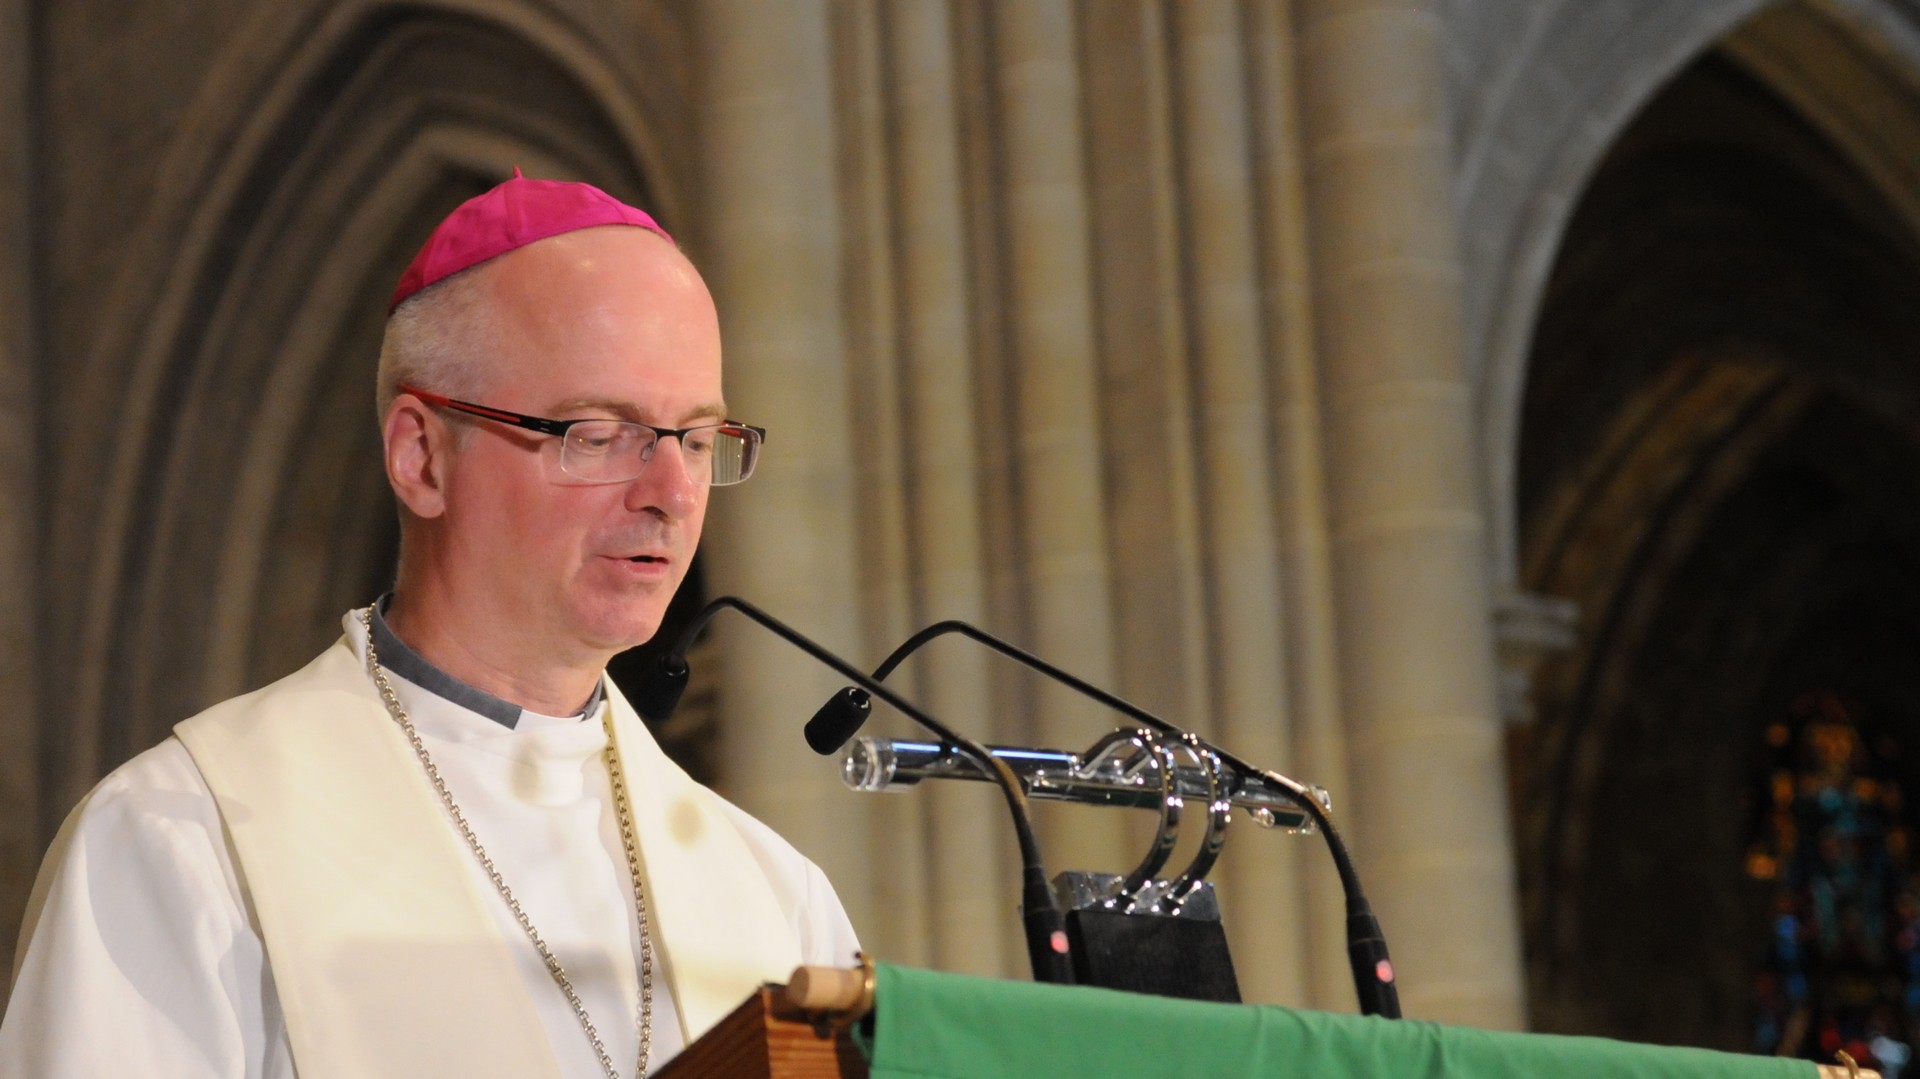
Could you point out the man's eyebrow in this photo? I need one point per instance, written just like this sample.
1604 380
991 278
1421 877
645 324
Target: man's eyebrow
631 411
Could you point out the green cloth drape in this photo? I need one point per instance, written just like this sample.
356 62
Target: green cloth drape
929 1025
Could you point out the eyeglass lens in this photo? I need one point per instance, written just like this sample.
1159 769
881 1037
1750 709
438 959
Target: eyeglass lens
613 451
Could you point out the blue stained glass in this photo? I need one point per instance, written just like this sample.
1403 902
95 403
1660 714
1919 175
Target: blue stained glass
1841 966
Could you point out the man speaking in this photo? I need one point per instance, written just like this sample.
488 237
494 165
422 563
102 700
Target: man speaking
448 846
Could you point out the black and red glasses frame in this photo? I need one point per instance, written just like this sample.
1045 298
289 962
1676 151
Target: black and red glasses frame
729 467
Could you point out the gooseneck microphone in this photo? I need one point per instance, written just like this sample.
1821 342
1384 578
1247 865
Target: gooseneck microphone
665 679
1373 974
838 720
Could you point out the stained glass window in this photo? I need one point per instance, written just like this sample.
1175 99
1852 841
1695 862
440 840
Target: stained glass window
1840 969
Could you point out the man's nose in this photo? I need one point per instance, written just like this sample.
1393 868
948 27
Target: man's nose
665 481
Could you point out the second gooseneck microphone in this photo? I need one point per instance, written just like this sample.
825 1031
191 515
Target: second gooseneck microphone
665 679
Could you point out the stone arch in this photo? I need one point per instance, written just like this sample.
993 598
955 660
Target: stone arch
1549 88
1538 119
242 506
1716 461
1852 71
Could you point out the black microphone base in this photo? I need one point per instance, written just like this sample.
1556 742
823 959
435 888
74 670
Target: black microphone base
1152 953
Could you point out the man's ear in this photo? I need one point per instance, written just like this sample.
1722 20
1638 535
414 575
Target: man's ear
419 445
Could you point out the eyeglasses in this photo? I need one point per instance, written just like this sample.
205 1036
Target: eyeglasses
615 451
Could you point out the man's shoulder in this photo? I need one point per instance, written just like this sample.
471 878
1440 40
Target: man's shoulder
151 819
165 775
161 774
758 833
812 907
768 847
333 671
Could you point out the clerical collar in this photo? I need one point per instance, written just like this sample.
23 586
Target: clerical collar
402 660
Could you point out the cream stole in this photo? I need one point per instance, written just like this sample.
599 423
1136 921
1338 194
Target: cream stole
384 949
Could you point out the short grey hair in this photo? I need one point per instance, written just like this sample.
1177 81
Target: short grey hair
442 338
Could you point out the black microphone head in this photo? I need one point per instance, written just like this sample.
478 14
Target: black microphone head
661 683
838 720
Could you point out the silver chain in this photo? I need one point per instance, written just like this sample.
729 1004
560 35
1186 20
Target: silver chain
643 1015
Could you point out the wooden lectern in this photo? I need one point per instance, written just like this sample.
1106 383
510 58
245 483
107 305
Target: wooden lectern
793 1031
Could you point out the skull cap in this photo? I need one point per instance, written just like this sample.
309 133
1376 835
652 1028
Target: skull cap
512 215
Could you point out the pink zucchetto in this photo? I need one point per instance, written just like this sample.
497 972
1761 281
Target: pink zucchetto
514 214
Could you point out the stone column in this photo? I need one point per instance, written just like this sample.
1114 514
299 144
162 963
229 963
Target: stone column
770 248
1313 676
1055 379
1161 643
898 825
20 819
1429 806
1260 882
970 862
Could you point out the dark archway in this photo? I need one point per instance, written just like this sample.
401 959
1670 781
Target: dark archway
250 510
1720 463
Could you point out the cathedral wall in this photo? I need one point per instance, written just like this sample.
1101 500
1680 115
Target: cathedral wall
20 441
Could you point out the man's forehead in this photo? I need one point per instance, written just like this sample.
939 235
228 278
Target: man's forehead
629 409
626 298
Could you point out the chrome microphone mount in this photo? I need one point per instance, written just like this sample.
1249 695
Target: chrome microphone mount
1139 769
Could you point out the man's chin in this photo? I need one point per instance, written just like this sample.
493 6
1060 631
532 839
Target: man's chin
613 635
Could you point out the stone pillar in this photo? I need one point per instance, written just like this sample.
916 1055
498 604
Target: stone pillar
1260 882
1055 378
971 883
1425 742
1161 643
1313 674
898 825
20 819
769 234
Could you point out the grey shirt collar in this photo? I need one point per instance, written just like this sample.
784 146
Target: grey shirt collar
397 657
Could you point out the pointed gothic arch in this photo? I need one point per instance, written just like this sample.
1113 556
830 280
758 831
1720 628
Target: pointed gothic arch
1717 459
242 507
